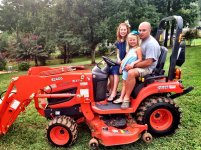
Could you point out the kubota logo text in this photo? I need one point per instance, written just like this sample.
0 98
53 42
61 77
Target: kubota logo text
57 79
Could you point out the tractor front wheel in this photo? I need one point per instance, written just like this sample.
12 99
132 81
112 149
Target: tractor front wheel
62 131
160 114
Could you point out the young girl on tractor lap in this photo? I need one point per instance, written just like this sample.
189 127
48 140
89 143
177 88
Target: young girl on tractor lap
133 56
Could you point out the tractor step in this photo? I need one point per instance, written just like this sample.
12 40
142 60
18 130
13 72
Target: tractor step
110 108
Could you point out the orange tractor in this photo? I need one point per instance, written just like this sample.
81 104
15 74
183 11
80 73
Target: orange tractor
68 96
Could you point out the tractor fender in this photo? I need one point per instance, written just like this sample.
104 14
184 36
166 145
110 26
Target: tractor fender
154 89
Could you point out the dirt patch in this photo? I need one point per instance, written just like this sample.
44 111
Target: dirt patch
2 72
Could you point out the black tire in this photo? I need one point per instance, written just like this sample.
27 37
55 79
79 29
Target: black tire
160 114
62 131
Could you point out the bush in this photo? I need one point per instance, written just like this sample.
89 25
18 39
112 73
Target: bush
191 34
2 64
24 66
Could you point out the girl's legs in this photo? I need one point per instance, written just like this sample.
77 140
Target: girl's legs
114 86
126 101
110 84
130 82
123 91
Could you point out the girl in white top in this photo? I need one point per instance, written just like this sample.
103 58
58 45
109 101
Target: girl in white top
133 56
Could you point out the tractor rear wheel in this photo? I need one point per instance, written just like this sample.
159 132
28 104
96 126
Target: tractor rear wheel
160 114
62 131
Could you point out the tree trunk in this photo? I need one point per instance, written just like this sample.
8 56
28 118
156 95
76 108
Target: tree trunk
93 56
93 53
65 51
168 8
68 53
36 60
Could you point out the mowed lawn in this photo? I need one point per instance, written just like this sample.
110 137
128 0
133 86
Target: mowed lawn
28 131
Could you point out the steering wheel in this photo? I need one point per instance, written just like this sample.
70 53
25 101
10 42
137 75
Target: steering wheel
109 61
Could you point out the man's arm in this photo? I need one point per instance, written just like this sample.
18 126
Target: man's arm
145 63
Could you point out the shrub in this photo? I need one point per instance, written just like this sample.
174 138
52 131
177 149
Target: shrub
2 63
24 66
191 34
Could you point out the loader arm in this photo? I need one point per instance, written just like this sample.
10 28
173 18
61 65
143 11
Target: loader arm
17 97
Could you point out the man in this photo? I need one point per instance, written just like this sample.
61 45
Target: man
150 53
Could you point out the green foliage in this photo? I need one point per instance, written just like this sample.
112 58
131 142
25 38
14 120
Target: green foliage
190 14
188 9
2 63
102 50
191 34
3 41
24 66
79 26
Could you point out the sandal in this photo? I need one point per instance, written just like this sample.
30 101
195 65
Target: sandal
125 104
110 99
117 101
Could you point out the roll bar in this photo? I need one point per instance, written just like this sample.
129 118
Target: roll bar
177 25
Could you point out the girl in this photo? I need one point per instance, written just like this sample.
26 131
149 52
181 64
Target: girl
133 56
122 32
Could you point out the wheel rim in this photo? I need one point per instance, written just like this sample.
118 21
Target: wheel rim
59 135
161 119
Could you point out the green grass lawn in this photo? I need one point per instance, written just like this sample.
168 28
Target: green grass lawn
28 131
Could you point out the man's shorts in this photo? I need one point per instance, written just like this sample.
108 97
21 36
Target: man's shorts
143 71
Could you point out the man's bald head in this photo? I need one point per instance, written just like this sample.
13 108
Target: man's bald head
144 30
146 24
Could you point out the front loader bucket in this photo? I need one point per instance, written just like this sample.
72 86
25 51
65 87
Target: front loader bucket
10 108
10 111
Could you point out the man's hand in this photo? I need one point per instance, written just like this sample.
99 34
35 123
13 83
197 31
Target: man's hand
129 66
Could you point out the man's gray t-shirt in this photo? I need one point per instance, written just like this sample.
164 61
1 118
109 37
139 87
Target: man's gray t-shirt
151 49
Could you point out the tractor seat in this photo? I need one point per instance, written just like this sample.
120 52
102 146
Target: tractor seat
161 62
157 72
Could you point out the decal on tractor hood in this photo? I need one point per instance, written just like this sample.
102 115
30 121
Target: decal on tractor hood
84 92
15 104
83 83
163 87
57 79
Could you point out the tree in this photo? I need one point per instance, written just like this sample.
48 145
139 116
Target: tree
3 41
65 39
135 11
191 14
26 17
87 19
188 9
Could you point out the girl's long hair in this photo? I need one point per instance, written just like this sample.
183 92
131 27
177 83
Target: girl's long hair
119 37
127 44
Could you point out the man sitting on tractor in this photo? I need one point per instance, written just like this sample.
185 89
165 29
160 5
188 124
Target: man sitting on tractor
150 53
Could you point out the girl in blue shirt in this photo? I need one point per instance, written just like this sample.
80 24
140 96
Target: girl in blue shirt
122 32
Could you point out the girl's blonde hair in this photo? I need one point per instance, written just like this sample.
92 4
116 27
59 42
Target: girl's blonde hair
127 44
119 37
